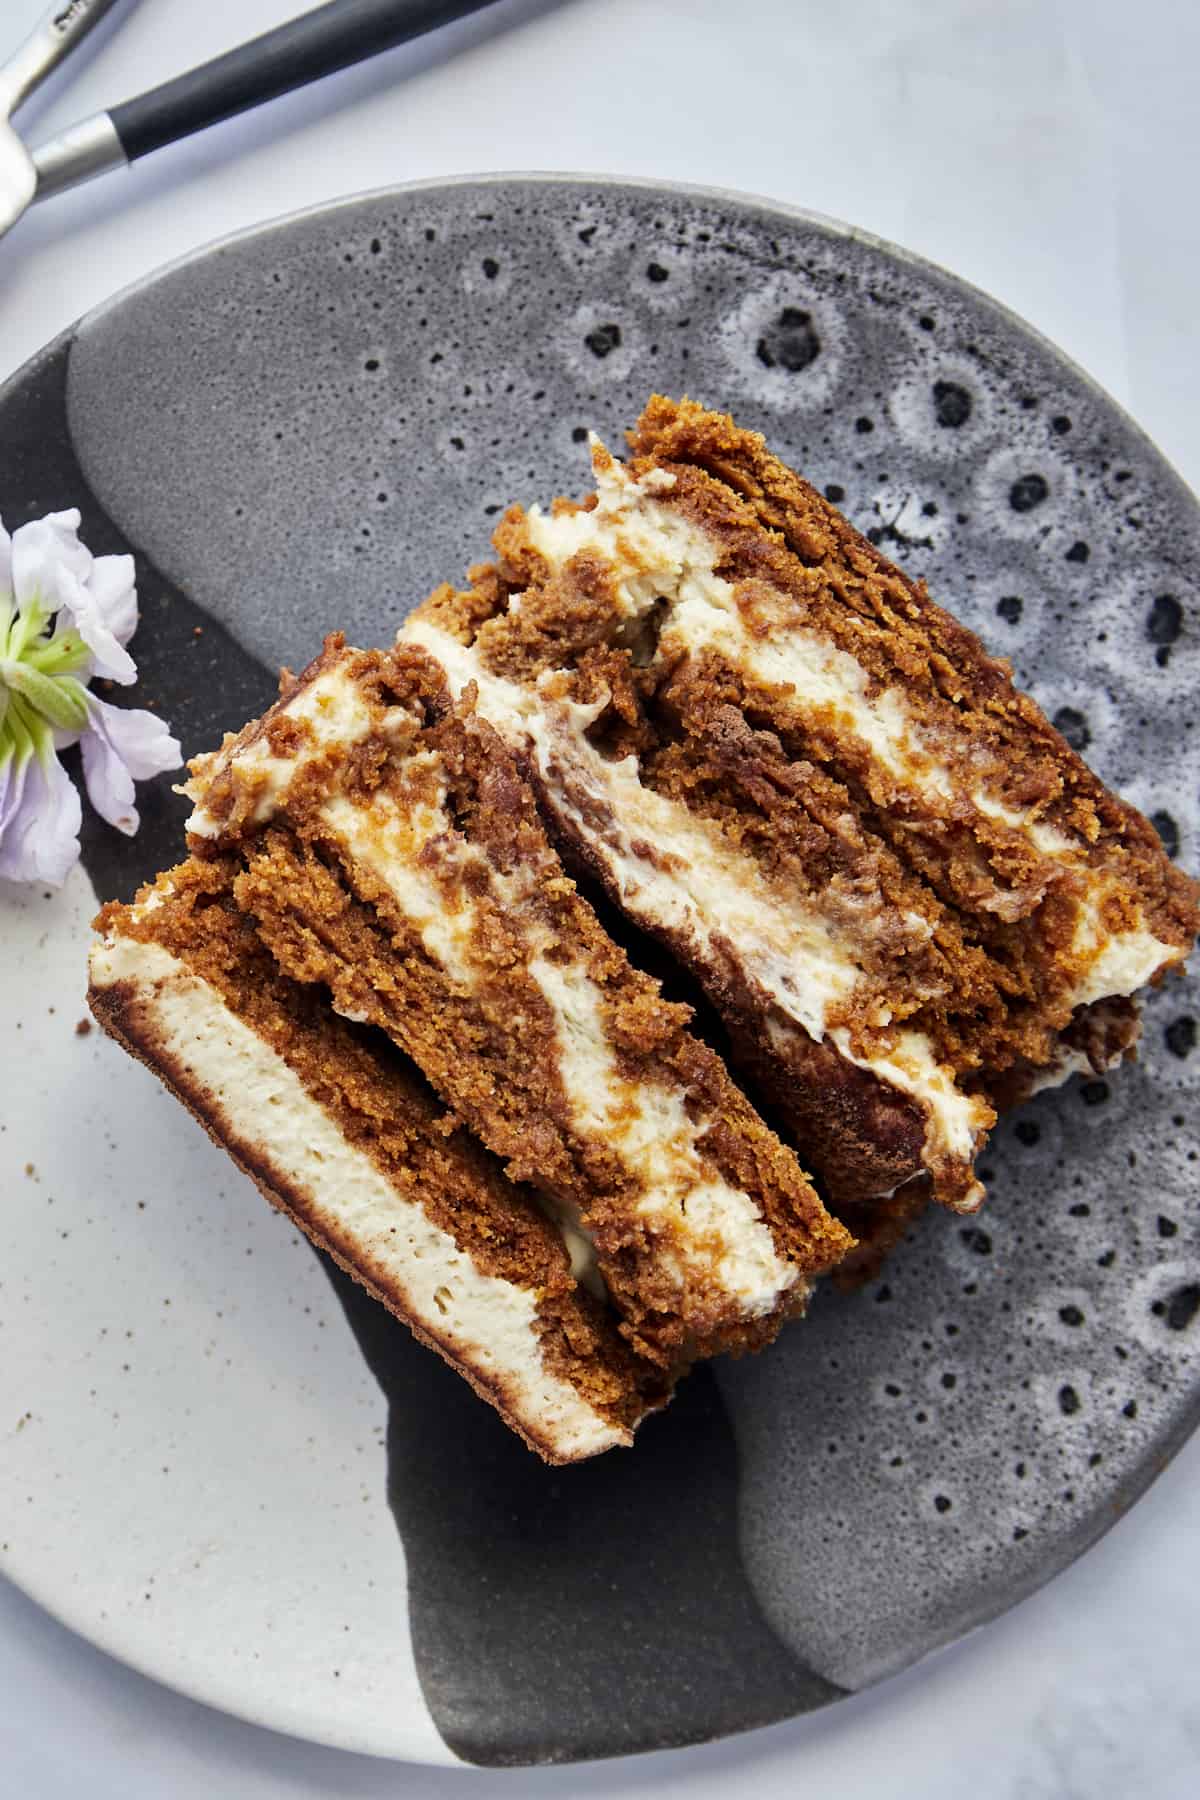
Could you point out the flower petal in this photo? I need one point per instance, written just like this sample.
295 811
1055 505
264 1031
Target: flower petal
113 589
86 611
54 572
122 745
109 783
39 823
141 739
13 769
42 552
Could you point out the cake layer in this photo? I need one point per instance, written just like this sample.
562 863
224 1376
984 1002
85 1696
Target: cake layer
901 888
394 852
338 1132
779 972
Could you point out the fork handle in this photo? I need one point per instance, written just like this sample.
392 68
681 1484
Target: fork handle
64 26
332 37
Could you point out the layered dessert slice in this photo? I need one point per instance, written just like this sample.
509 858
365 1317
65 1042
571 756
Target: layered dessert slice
908 898
341 1133
392 852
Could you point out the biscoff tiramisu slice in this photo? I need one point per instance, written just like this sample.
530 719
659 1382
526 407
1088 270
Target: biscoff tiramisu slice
340 1132
908 897
393 852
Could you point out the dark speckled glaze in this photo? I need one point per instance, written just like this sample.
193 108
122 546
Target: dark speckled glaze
311 425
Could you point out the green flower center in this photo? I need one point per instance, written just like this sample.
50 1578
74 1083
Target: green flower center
39 688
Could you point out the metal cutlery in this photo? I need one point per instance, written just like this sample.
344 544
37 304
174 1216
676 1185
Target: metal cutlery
317 43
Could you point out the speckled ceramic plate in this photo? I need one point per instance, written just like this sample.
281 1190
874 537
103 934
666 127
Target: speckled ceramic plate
227 1468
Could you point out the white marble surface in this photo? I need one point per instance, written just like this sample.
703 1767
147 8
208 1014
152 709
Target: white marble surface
1045 149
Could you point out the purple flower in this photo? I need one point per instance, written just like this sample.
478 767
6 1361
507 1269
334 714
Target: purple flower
66 616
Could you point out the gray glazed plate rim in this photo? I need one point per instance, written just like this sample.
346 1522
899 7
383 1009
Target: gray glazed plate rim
743 200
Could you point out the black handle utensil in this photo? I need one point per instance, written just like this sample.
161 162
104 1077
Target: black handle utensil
317 43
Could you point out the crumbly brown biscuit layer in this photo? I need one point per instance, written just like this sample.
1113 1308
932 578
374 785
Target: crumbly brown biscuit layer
707 646
385 1111
410 873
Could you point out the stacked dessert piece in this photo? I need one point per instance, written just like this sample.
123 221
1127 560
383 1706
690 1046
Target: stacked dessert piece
373 894
704 695
909 899
345 1136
